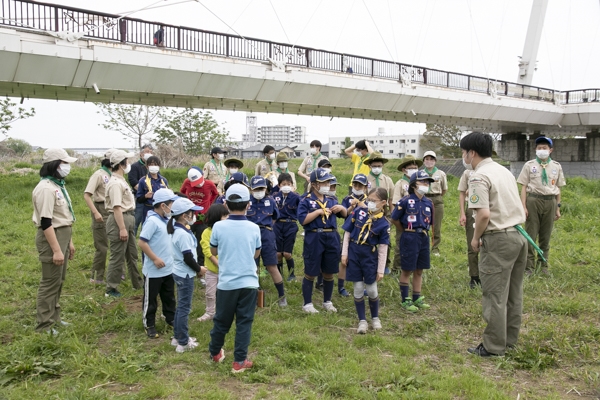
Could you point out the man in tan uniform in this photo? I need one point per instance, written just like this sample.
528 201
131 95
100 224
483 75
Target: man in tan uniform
215 170
120 203
494 196
542 179
267 164
94 198
437 190
466 219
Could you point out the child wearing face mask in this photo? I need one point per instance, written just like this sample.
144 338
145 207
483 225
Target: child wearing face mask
263 211
233 166
286 226
364 253
158 263
282 167
413 217
149 184
185 269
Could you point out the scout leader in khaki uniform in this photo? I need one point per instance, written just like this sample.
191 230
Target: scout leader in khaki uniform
466 219
376 178
53 216
266 165
494 196
408 166
215 170
233 165
311 162
542 179
437 190
94 198
120 203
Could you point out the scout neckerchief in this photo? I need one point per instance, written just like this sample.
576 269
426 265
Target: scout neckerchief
108 171
372 218
287 171
323 207
269 162
406 178
149 182
364 196
544 164
433 171
376 178
315 158
219 166
61 184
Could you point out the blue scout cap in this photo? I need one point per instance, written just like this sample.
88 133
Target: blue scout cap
360 178
320 175
239 177
258 182
162 195
420 175
239 189
183 205
333 181
543 140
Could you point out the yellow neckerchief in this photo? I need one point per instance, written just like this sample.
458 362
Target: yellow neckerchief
372 218
357 199
149 182
323 207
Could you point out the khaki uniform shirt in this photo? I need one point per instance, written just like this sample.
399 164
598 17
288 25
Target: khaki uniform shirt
400 189
263 168
97 185
440 183
216 172
384 182
118 194
310 163
493 187
463 184
531 176
50 202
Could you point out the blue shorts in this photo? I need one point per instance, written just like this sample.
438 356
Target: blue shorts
414 251
268 252
285 236
362 263
321 253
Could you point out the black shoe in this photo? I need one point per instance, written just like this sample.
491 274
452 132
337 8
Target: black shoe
319 287
481 351
112 293
151 332
474 282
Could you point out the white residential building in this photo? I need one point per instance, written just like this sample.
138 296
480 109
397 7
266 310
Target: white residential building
281 135
390 146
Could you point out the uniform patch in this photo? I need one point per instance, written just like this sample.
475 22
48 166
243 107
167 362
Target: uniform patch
361 213
412 218
474 198
534 169
554 172
405 187
105 179
277 198
411 202
553 182
59 195
267 203
427 209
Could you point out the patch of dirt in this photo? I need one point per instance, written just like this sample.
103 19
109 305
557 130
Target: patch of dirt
133 304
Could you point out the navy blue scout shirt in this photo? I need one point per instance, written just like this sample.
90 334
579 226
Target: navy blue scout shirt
367 228
311 203
220 200
159 183
262 212
413 212
287 205
346 201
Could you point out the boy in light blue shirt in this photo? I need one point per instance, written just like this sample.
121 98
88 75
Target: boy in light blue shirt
158 263
237 242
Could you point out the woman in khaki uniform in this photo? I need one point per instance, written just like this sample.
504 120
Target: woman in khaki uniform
53 216
437 190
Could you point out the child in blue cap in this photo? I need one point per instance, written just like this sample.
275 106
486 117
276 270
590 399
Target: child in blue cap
286 226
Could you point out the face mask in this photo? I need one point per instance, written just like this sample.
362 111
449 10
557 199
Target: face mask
147 156
154 169
233 170
410 172
221 156
168 213
327 169
332 192
64 169
429 164
468 166
259 195
372 206
542 154
282 165
272 156
127 169
376 170
286 189
191 220
357 192
324 190
423 189
313 150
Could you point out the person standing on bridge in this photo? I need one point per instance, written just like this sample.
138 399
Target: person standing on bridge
266 165
437 190
138 170
159 37
311 162
541 180
364 149
215 170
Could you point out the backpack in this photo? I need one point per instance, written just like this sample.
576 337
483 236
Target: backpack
156 37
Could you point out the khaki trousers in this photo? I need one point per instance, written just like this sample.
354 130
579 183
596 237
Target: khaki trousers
100 243
122 252
540 222
438 216
472 255
501 268
53 276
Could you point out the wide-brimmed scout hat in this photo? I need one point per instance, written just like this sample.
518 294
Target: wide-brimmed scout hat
409 160
375 156
281 157
233 160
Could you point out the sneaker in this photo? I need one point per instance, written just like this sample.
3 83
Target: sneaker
435 252
174 341
319 287
112 293
310 309
96 282
65 323
189 346
291 278
363 326
481 351
241 367
376 323
328 306
420 303
151 332
282 302
203 281
219 357
206 317
343 292
408 305
386 271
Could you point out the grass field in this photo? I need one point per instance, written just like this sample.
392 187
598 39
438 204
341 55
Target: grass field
105 354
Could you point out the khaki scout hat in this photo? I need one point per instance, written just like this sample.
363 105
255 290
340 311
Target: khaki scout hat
233 160
409 160
108 153
55 154
429 153
281 157
375 156
119 155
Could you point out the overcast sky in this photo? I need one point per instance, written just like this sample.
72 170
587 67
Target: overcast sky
477 37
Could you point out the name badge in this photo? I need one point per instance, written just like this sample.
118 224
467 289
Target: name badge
267 203
427 209
412 218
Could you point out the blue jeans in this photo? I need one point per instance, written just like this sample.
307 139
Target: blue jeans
185 290
139 217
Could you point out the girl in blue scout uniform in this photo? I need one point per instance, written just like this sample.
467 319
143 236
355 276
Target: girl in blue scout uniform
262 212
286 226
364 252
185 269
149 184
413 216
333 184
236 177
158 263
317 213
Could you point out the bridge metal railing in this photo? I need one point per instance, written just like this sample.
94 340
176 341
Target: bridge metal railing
28 14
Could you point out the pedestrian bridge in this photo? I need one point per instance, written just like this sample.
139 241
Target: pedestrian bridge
54 52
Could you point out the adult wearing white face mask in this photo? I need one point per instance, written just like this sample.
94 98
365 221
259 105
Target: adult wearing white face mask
376 178
120 203
138 170
267 164
215 170
437 190
149 184
53 216
282 167
541 180
311 162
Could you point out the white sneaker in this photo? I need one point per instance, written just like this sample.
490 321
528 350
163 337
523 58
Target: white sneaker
310 309
189 346
376 323
175 343
362 327
203 281
328 306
